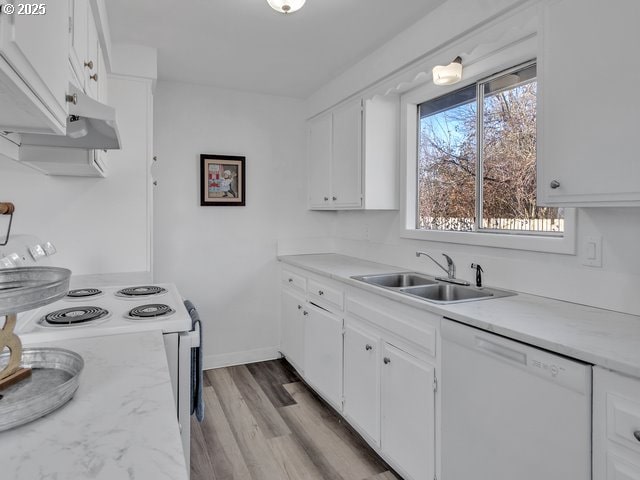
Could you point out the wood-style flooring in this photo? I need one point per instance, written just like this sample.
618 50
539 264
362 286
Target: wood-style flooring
262 423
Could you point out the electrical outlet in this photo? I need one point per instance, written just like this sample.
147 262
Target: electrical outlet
592 251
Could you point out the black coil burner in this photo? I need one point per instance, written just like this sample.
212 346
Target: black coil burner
150 311
84 293
141 291
74 316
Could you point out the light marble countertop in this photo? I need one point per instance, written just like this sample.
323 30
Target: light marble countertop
120 424
601 337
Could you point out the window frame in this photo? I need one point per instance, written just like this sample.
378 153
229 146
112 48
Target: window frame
484 68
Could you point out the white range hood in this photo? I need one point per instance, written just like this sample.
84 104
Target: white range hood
90 125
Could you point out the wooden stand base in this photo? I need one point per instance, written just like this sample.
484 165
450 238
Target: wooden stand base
14 378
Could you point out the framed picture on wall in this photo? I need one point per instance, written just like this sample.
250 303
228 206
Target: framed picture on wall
222 180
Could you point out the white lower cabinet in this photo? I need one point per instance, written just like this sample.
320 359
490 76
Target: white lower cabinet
323 353
616 426
408 413
362 380
292 338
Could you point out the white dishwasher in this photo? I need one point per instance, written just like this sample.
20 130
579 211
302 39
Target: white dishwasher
511 411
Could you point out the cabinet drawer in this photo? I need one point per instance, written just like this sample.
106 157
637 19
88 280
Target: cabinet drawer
325 295
294 280
398 320
623 421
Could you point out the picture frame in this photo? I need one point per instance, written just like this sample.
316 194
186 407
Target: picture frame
222 180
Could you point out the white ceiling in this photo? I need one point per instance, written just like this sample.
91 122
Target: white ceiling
245 45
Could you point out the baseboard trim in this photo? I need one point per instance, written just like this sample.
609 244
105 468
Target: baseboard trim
240 358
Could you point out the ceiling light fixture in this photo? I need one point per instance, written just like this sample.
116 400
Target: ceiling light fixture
448 74
286 6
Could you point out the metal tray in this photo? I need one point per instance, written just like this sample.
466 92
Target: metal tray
54 380
26 288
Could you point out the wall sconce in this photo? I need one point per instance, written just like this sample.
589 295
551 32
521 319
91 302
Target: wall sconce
448 74
286 6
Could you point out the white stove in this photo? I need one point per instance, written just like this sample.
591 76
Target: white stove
93 311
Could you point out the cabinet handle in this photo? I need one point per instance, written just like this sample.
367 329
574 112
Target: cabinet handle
637 435
305 313
89 64
326 199
71 98
334 198
320 292
290 280
554 184
368 347
94 77
386 360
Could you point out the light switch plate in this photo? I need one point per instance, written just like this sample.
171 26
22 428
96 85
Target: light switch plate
592 251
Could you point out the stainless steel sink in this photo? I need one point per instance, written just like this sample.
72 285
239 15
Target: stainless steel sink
444 293
397 280
428 289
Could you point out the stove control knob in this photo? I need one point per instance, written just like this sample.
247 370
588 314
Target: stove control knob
37 252
6 262
16 259
49 248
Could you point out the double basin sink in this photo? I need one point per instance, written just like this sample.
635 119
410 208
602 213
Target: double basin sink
431 290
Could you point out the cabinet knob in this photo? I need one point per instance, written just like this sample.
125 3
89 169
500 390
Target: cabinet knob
386 360
637 435
155 183
155 158
299 307
94 77
305 313
326 199
368 347
320 292
291 280
334 198
71 98
89 64
554 184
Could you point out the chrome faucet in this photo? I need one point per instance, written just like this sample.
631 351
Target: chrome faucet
450 269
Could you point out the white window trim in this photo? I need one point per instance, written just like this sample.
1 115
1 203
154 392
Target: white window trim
501 59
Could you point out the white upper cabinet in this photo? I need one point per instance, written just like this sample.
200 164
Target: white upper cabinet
319 153
352 153
85 52
33 74
589 107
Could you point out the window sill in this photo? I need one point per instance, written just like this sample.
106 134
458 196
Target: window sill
564 245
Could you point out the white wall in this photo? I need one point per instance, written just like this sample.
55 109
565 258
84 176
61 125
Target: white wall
224 258
98 225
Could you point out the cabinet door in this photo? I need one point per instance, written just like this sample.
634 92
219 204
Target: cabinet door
36 47
346 165
589 109
292 329
408 413
78 14
361 380
323 353
92 77
319 158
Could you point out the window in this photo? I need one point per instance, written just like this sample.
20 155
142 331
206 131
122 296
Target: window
476 159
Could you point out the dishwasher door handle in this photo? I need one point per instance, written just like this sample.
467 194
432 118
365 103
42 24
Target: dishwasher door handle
501 350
